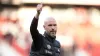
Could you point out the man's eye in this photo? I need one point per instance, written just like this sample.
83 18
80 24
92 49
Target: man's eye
54 25
49 25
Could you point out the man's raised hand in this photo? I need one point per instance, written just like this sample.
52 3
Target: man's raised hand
39 7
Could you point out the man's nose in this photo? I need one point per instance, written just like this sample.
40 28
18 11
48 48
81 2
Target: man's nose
53 27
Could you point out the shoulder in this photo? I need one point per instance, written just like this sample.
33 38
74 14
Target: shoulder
57 43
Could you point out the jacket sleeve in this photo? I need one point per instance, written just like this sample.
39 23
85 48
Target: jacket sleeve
36 36
33 28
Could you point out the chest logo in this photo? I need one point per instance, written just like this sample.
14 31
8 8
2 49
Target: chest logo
58 50
49 46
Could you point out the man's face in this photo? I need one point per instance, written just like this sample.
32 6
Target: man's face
51 27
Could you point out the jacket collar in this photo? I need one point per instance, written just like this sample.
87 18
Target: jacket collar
49 38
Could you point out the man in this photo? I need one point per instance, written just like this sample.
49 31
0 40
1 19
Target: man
46 44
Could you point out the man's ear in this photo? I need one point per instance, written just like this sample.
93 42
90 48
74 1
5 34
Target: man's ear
44 26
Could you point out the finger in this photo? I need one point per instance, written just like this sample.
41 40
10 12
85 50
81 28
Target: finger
41 1
39 5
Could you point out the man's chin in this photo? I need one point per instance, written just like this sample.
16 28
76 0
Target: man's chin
53 35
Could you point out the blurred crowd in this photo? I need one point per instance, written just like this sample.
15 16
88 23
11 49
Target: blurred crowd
13 40
78 33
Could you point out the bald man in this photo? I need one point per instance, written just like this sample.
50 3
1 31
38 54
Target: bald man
46 44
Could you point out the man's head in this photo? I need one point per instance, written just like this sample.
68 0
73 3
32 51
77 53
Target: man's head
50 26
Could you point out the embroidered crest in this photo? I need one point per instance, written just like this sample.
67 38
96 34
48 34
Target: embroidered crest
48 46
